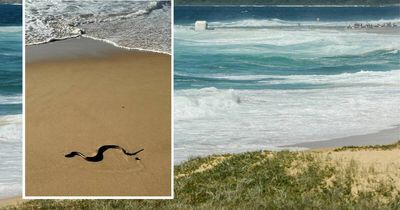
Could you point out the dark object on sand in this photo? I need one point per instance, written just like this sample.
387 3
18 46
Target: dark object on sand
99 156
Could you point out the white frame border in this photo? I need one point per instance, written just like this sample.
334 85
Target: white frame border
24 196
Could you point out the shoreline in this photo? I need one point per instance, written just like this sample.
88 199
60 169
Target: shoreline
126 48
386 136
383 137
84 36
72 48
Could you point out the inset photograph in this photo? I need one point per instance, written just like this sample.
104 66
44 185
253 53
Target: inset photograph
98 98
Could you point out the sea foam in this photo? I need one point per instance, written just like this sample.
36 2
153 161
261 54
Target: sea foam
129 24
268 118
10 155
11 128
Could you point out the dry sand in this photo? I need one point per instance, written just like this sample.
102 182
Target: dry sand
370 167
80 102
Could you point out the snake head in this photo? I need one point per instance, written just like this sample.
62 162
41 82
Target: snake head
72 154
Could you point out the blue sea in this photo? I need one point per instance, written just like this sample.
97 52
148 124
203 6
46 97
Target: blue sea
266 77
10 100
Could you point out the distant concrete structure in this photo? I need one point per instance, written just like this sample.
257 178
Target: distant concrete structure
200 25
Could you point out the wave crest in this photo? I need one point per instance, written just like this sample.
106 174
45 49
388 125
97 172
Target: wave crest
10 128
206 102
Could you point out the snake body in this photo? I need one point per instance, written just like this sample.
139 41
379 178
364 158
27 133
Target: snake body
99 156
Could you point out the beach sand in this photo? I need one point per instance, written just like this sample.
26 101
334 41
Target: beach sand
4 202
371 167
82 94
387 136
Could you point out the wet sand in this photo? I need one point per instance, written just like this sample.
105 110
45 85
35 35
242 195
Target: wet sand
387 136
82 94
71 49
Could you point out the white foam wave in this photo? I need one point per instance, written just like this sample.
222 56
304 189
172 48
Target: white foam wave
10 29
304 43
11 128
284 23
393 52
127 48
208 102
8 190
211 121
16 99
52 20
344 79
10 155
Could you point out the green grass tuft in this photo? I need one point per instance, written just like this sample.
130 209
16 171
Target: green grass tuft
252 180
369 147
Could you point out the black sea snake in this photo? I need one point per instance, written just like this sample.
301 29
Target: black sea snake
99 156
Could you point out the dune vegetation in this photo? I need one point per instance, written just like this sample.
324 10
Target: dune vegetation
346 178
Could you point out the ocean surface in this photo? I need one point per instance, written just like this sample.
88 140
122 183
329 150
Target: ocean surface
266 77
132 24
10 100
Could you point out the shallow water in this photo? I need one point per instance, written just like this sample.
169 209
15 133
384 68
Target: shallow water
129 24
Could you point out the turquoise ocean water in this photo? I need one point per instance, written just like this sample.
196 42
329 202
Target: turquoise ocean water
10 100
271 76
